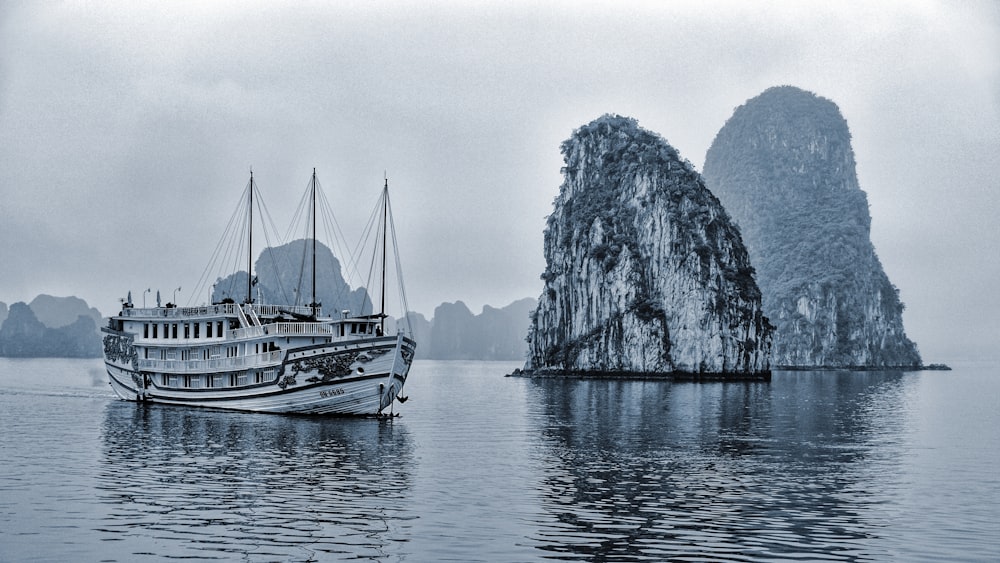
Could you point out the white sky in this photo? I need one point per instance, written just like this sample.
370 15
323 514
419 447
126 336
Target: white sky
127 131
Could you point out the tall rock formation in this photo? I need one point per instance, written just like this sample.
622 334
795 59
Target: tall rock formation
645 273
784 168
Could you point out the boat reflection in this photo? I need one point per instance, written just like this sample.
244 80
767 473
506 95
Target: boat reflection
646 470
204 484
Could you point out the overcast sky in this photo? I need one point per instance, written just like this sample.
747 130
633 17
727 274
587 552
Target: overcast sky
127 131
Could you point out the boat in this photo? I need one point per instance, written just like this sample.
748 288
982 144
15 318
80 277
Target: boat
262 357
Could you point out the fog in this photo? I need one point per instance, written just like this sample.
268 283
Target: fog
128 130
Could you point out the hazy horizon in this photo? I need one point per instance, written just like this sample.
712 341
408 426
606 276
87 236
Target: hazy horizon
127 132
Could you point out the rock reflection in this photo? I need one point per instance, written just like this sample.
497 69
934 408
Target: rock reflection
793 469
212 484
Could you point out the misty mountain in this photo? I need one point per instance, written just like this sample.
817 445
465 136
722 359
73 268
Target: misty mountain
284 276
784 168
494 334
23 335
55 312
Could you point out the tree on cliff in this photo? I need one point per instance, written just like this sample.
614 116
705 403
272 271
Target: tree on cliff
784 168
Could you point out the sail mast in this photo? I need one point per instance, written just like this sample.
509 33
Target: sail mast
313 304
250 242
385 213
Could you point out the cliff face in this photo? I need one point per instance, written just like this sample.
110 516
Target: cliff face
784 168
645 273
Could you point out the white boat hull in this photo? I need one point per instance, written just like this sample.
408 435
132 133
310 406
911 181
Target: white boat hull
361 378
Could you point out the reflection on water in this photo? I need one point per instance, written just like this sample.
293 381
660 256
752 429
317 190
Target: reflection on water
203 484
641 470
482 468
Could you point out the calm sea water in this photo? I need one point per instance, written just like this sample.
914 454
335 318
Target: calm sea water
812 466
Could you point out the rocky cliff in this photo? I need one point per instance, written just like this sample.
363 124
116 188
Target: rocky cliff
645 272
784 168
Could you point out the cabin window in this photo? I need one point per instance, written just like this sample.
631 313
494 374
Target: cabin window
174 331
155 326
166 330
197 330
187 331
204 354
232 380
145 330
218 325
208 329
209 382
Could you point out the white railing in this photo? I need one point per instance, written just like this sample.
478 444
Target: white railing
282 329
210 311
213 364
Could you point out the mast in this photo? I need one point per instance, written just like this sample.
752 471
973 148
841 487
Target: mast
250 242
385 214
313 304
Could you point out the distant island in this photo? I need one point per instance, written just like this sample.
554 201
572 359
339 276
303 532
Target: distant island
50 327
454 333
66 327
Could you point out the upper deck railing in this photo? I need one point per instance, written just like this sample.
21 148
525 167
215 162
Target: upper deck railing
283 329
224 309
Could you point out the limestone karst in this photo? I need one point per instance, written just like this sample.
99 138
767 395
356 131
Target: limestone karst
645 272
784 168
